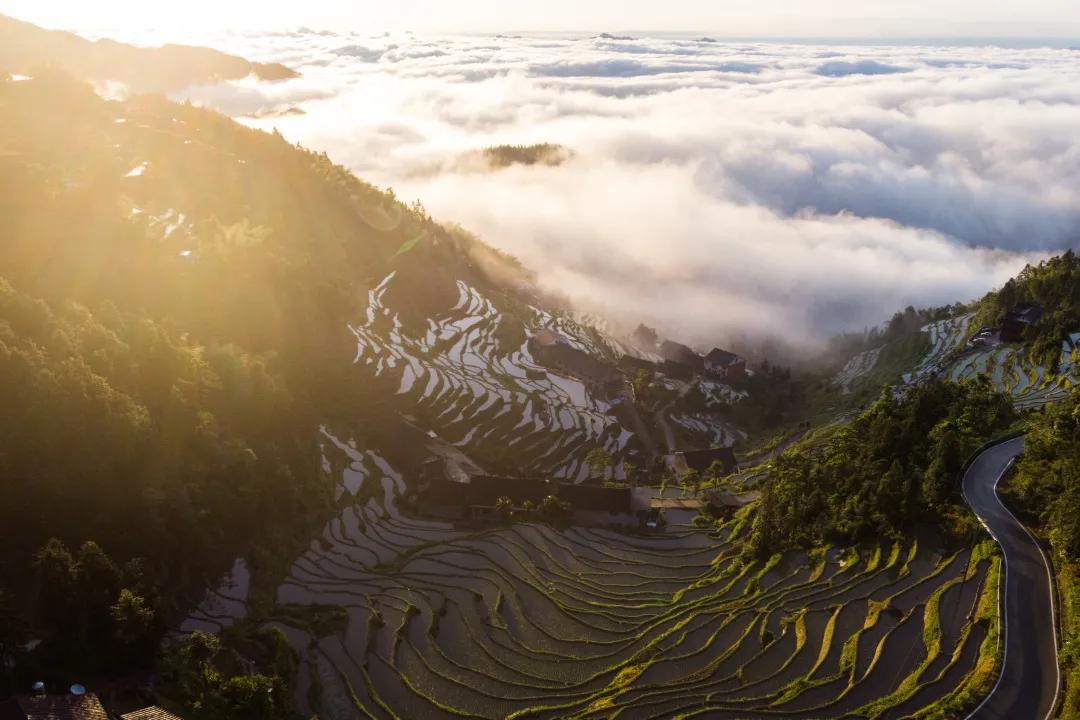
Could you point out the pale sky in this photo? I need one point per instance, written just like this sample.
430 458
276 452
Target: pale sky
772 18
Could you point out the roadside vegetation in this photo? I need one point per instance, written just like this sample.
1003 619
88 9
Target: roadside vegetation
1046 485
895 465
1054 285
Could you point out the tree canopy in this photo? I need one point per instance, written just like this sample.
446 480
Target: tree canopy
1054 285
895 465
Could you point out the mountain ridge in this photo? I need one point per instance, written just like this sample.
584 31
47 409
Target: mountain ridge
26 48
225 351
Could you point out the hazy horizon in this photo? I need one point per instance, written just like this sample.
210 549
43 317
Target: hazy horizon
716 190
327 393
732 19
750 188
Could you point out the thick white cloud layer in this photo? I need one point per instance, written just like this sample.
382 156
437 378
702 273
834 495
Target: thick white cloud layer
716 188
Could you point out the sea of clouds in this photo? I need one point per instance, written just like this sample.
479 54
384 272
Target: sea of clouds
716 189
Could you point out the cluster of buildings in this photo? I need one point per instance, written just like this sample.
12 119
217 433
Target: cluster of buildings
587 504
555 351
76 704
702 461
477 498
1012 327
1017 321
718 364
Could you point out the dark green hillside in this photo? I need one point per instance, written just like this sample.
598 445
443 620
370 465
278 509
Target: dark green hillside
175 298
1047 488
893 467
1054 285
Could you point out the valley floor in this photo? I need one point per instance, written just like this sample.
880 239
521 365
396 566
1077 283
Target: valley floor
533 621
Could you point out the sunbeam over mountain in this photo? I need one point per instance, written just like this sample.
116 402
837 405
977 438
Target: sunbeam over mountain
362 372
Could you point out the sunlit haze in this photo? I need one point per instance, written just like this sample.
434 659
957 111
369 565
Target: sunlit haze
767 18
590 359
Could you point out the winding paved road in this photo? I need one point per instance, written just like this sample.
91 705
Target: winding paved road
1029 683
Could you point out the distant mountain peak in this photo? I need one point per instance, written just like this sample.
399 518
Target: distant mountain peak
26 48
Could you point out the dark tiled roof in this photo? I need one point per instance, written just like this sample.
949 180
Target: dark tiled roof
1026 313
62 707
678 353
723 357
629 362
10 710
574 361
150 713
723 498
595 497
486 490
702 460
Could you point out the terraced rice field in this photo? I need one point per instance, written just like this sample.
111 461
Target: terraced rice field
1007 367
701 430
478 396
720 394
1014 374
857 368
946 336
533 622
220 608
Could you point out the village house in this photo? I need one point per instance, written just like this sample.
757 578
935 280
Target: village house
477 499
1017 321
630 364
76 705
722 504
702 460
596 498
680 354
725 365
555 351
150 713
452 500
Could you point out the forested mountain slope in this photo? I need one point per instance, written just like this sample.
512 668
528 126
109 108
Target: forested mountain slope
1033 361
218 346
186 305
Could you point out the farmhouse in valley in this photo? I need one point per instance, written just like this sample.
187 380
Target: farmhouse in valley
631 364
73 706
680 354
1018 319
702 460
555 351
477 499
725 365
150 713
724 504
